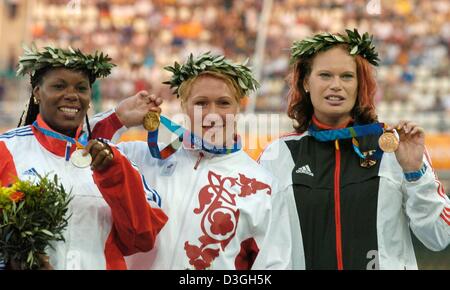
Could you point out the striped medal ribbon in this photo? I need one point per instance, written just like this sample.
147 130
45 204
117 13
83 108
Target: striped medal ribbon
186 137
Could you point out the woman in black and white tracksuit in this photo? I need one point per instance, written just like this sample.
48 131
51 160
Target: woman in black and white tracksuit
355 204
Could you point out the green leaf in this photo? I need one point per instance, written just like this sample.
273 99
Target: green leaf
242 84
359 45
338 38
98 64
30 258
47 232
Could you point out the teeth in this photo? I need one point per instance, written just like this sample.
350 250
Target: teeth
69 110
334 98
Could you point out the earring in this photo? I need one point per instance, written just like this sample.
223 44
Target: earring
35 101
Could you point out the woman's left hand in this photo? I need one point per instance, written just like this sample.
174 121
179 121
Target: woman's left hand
411 147
101 153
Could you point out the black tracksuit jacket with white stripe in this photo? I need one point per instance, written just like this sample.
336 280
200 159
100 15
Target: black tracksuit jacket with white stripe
351 216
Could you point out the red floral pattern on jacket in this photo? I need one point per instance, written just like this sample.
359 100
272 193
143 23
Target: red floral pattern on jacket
220 215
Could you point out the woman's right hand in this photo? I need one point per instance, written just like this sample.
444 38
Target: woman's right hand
101 153
132 110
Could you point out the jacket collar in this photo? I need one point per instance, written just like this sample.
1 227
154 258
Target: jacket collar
321 126
58 147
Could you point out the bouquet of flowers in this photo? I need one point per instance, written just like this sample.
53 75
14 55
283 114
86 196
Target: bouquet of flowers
32 215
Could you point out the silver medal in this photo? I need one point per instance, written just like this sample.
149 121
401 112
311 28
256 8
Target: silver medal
79 160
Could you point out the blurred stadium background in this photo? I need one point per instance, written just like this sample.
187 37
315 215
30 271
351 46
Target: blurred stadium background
412 37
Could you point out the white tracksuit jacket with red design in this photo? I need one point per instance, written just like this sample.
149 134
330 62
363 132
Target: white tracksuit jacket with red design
225 211
110 214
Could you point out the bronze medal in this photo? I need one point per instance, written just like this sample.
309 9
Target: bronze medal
388 142
151 121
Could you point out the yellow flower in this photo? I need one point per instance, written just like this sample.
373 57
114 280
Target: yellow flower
10 194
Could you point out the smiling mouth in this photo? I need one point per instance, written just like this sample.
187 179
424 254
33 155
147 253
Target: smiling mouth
69 111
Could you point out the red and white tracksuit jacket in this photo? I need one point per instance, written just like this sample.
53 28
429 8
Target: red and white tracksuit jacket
225 211
110 214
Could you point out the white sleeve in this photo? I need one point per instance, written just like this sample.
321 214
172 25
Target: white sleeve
283 245
276 158
139 154
275 251
428 208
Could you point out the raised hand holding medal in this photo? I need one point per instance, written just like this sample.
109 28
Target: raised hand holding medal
131 111
411 145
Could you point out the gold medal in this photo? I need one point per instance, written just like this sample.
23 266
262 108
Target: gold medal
388 142
151 121
79 160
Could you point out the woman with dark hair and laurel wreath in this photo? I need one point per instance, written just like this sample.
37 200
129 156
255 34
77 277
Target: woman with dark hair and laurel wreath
226 211
109 216
359 186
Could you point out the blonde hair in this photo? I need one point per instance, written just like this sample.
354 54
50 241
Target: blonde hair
185 88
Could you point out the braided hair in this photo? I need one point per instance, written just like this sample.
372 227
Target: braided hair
31 111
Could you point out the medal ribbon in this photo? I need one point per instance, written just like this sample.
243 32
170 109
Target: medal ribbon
80 143
186 137
350 132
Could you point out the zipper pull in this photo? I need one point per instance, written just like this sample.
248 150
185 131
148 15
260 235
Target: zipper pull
200 156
